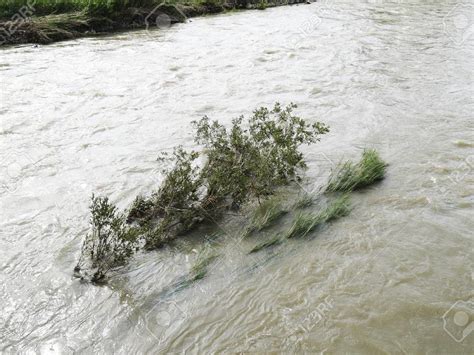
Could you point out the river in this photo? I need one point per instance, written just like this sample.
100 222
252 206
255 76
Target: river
91 115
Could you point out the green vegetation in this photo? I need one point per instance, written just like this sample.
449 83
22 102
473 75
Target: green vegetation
174 208
250 160
304 201
246 162
9 8
46 21
346 178
349 176
262 5
464 144
111 241
265 215
276 240
200 267
303 224
306 222
337 209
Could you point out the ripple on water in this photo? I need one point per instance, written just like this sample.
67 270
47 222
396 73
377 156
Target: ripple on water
377 281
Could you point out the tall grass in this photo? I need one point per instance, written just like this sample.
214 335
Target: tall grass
349 176
304 201
265 215
276 240
200 267
9 8
306 222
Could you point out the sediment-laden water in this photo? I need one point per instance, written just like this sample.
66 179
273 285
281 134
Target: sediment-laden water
90 116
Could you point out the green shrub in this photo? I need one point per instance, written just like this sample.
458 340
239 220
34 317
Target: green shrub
175 207
262 5
252 160
245 162
111 241
340 207
9 8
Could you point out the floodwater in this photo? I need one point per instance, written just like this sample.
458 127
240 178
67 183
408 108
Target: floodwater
91 115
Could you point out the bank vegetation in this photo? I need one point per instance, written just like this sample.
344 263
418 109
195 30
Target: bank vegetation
47 21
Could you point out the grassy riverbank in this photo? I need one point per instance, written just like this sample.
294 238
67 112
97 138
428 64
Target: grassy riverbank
47 21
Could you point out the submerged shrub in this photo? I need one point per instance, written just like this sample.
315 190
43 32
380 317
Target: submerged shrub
252 160
111 241
174 208
349 176
247 161
303 224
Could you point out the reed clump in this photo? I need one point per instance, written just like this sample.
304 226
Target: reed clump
349 176
307 222
265 215
200 267
304 201
276 240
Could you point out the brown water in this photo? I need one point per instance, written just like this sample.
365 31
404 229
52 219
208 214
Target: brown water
91 116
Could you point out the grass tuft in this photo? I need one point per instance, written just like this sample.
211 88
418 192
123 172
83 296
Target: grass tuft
463 144
277 240
265 215
303 224
199 269
349 176
304 201
340 207
306 222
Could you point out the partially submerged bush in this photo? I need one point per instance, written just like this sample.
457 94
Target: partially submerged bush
111 241
247 161
338 208
349 176
303 224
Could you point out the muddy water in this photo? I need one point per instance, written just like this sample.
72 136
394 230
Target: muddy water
91 115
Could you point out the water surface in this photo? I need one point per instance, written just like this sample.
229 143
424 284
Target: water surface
90 116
